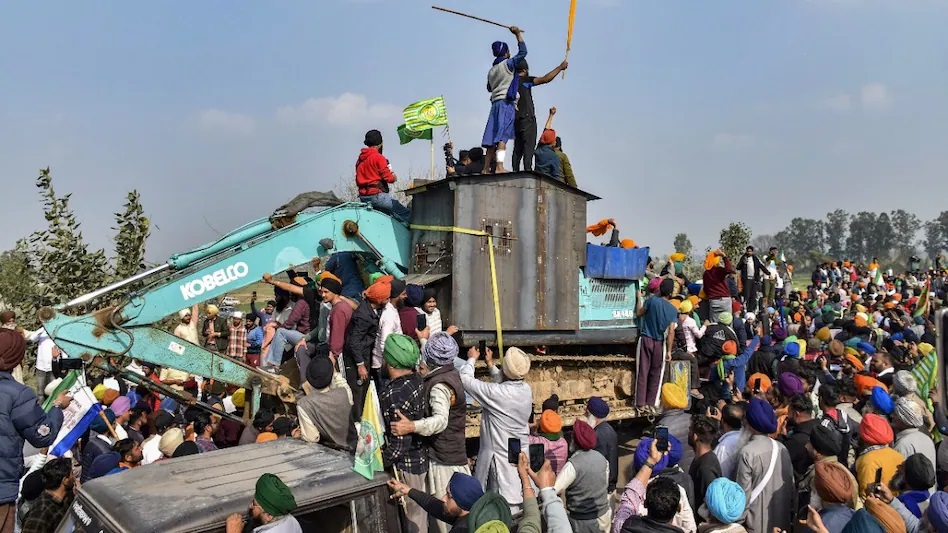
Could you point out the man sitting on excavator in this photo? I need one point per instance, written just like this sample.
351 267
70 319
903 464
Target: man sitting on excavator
373 176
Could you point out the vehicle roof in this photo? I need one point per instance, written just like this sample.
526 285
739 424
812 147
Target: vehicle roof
196 491
484 178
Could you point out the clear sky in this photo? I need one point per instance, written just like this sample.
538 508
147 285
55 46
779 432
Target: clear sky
682 115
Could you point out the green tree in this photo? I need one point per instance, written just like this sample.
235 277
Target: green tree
683 245
835 228
132 231
906 226
934 238
735 238
859 242
802 236
883 240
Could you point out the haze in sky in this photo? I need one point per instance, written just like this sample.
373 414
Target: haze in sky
683 116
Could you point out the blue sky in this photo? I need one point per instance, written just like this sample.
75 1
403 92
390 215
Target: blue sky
682 115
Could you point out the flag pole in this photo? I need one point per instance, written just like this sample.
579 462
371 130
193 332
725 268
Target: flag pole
431 174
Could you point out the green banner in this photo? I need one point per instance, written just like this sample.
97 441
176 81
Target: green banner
406 135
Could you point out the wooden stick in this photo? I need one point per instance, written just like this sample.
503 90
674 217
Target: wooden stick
563 77
453 12
108 425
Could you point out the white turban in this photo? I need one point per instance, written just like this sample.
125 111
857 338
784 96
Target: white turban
516 363
183 313
51 386
909 412
904 383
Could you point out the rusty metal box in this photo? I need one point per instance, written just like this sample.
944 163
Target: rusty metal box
538 226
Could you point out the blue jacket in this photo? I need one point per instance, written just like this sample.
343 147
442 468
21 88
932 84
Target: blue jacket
21 417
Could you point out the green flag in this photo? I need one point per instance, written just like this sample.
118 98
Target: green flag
921 307
368 457
65 384
406 135
878 279
426 114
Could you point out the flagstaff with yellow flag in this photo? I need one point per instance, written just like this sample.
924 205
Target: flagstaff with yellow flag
569 30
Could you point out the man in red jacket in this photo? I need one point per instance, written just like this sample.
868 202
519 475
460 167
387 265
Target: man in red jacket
718 266
373 176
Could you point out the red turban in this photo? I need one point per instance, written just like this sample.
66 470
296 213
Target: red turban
875 430
584 435
380 291
12 349
548 137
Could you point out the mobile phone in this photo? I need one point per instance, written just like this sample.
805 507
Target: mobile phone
756 385
714 410
513 451
422 321
878 477
482 348
254 294
537 457
661 435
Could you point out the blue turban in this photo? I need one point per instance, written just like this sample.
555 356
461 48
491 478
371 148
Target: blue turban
760 415
863 522
725 500
882 401
910 336
694 288
898 337
675 451
465 490
597 407
938 511
853 342
641 455
103 464
98 425
866 347
441 349
766 340
499 49
414 295
920 320
792 349
168 404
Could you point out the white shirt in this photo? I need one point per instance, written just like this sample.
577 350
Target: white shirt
388 323
44 353
150 451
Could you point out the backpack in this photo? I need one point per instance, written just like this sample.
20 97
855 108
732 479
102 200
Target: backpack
711 344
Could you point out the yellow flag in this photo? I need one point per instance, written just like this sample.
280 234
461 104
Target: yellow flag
569 27
368 457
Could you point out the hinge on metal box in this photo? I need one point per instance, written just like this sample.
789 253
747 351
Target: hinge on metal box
502 233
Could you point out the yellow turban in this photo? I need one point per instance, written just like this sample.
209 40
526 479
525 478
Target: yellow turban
711 261
925 348
677 256
674 397
99 392
212 310
686 307
239 398
824 334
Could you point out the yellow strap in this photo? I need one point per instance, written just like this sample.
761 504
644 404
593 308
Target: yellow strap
493 272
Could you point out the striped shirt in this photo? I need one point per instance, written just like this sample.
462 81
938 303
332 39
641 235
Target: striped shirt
237 343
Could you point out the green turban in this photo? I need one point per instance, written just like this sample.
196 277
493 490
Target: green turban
274 496
489 508
726 318
494 526
401 351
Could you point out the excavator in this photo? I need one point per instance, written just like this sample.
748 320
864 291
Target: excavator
507 256
109 337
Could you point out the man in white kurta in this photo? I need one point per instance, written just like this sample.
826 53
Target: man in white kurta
507 404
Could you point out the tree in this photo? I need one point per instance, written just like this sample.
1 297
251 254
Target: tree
859 241
835 229
55 265
133 229
763 242
735 238
883 237
934 238
802 236
906 226
683 245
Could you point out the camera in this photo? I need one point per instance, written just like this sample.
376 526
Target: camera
449 159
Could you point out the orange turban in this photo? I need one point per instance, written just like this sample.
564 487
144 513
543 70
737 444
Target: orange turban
110 396
329 275
865 384
765 382
599 228
548 137
857 364
550 422
860 322
627 243
897 297
676 304
887 516
694 300
380 291
711 261
266 436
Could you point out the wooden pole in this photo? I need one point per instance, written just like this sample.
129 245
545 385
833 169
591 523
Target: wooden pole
108 425
453 12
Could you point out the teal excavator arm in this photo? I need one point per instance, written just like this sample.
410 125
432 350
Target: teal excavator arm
235 260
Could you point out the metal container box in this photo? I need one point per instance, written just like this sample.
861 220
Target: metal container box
538 226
